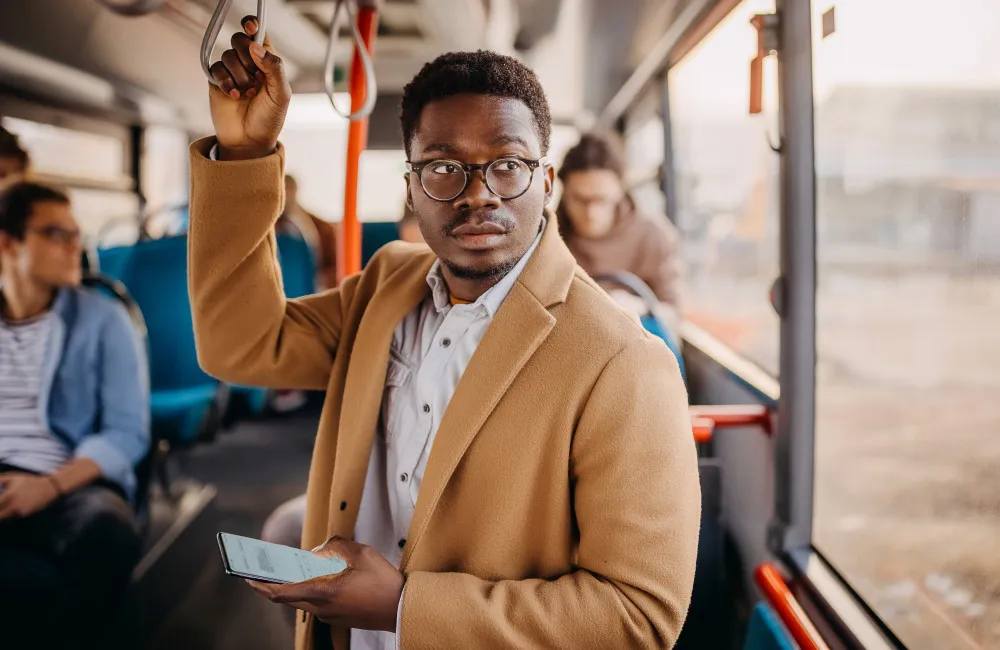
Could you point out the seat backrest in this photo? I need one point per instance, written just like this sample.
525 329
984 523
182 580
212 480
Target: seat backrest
766 632
298 266
375 235
155 273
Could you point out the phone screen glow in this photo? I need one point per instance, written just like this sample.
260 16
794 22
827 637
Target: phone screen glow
253 558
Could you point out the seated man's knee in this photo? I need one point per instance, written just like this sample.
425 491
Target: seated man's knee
284 525
102 529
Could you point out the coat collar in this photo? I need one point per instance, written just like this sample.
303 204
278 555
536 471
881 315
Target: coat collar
520 326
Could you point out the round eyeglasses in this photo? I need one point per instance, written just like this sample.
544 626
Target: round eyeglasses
446 180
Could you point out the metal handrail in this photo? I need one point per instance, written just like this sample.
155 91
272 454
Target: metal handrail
215 26
371 90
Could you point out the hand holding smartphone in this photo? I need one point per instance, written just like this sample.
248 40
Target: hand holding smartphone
254 559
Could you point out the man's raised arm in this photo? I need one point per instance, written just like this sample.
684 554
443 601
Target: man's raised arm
246 331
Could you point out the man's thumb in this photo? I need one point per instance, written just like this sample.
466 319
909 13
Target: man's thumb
268 62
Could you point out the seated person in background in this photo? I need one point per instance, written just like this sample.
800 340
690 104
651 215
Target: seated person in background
409 229
13 159
600 224
74 422
318 233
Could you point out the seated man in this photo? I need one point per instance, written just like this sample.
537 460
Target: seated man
505 457
600 224
74 422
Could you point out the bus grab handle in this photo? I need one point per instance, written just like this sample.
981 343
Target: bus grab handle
215 26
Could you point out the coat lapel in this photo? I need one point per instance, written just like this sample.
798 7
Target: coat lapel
398 294
521 325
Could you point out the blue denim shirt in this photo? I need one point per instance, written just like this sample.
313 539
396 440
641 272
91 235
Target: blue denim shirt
95 389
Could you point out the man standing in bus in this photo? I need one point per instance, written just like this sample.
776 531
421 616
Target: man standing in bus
74 422
505 457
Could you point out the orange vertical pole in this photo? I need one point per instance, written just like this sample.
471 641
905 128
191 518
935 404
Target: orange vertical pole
349 242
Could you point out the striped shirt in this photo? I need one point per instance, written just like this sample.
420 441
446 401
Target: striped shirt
25 439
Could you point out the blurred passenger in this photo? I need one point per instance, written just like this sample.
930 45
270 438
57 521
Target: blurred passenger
409 229
74 422
14 160
601 225
318 233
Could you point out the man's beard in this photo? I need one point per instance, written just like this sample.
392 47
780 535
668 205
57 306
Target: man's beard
492 273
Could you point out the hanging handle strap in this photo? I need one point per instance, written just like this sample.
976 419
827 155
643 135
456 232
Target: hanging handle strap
215 26
371 90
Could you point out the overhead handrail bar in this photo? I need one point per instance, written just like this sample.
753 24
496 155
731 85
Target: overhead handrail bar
736 415
215 26
329 69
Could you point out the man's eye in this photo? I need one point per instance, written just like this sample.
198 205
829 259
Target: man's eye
445 168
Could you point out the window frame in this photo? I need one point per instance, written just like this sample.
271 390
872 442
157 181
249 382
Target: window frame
790 532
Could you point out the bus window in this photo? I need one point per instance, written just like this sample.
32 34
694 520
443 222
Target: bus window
644 153
726 178
908 307
91 163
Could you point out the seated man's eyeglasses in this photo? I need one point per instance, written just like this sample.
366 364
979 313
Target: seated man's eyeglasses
446 180
57 234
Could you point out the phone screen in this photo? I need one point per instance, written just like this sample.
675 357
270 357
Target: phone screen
251 558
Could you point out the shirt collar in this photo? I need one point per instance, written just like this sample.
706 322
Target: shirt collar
494 296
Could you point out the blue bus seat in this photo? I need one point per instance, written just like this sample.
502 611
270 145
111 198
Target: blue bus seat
375 235
656 328
298 275
650 322
184 400
298 266
767 632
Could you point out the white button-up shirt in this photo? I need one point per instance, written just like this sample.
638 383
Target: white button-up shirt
430 350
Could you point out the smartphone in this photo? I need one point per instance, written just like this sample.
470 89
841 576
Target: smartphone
257 560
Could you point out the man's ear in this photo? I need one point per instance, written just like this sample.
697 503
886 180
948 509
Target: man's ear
409 197
550 182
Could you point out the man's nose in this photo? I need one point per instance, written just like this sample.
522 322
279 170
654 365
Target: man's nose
477 194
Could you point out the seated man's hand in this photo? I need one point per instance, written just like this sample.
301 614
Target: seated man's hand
364 596
25 494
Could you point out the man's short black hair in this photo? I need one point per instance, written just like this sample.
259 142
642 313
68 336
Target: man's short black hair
17 203
481 73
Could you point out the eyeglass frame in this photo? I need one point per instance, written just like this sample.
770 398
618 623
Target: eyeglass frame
467 169
57 234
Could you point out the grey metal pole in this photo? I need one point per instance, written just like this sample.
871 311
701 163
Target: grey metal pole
796 288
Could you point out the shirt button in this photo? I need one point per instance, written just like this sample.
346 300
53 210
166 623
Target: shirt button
402 543
445 343
427 408
403 477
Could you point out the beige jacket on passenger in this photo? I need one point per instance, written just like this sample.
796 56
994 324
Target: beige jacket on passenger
560 506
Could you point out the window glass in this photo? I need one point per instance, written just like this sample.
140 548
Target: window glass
106 217
727 187
70 154
907 492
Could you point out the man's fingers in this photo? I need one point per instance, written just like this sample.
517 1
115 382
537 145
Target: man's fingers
244 79
282 594
250 26
224 80
241 45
